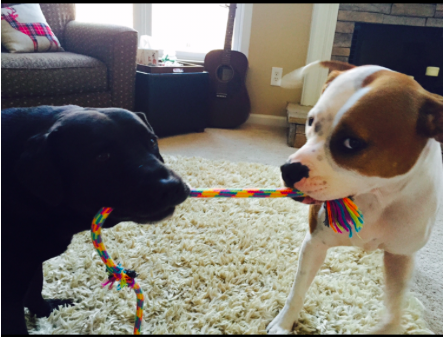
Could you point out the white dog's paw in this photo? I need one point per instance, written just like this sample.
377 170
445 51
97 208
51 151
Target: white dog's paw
277 330
389 328
281 325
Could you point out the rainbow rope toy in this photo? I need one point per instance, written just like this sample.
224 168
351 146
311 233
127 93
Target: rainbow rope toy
338 213
341 213
115 272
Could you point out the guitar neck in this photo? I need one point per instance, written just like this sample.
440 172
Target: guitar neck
226 58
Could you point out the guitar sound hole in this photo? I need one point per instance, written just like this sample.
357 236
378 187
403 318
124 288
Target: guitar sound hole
225 73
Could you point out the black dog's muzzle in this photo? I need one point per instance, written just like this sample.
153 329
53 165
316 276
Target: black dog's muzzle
173 190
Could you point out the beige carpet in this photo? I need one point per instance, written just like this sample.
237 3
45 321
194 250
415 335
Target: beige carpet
266 144
217 266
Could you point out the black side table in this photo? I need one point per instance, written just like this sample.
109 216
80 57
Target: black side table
173 103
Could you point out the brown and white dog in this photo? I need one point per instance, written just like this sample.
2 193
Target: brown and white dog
372 135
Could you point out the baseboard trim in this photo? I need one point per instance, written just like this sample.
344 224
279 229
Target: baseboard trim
267 120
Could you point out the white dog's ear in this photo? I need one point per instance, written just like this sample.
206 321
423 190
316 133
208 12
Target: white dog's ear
331 76
336 68
337 65
430 120
295 78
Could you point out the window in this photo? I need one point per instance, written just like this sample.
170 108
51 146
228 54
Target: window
118 14
192 30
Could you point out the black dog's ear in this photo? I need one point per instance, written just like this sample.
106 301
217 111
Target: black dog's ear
144 119
36 171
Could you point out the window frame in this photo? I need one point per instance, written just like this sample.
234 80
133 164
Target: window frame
142 23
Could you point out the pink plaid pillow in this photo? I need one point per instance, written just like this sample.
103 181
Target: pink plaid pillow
25 30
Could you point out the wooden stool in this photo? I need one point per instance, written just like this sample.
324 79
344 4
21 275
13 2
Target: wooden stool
297 117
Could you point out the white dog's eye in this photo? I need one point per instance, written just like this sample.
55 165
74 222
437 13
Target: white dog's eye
310 121
352 143
347 143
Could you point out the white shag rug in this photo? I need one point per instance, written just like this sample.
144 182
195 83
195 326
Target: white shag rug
217 266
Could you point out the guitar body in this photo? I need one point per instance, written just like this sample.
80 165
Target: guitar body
232 108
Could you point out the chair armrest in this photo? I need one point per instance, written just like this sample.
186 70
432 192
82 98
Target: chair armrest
114 45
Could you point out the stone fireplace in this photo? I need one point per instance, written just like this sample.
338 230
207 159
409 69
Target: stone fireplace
421 15
407 38
333 28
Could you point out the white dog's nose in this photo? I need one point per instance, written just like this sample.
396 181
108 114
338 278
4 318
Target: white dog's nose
293 173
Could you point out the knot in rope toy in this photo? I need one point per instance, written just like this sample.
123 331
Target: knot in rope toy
340 213
116 273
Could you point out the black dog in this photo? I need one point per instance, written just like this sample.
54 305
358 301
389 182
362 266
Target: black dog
60 165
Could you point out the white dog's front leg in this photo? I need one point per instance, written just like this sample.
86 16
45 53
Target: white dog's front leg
397 272
312 255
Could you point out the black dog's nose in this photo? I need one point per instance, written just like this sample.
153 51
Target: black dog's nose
294 172
174 190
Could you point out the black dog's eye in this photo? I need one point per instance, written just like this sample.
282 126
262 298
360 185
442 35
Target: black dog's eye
310 121
152 143
103 157
353 144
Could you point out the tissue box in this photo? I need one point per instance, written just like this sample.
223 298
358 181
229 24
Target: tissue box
147 57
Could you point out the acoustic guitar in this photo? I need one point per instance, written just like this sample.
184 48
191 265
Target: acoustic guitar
229 101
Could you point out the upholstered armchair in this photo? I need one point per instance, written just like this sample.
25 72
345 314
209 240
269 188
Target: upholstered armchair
97 68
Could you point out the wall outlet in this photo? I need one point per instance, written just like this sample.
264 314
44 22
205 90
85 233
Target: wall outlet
276 76
432 71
